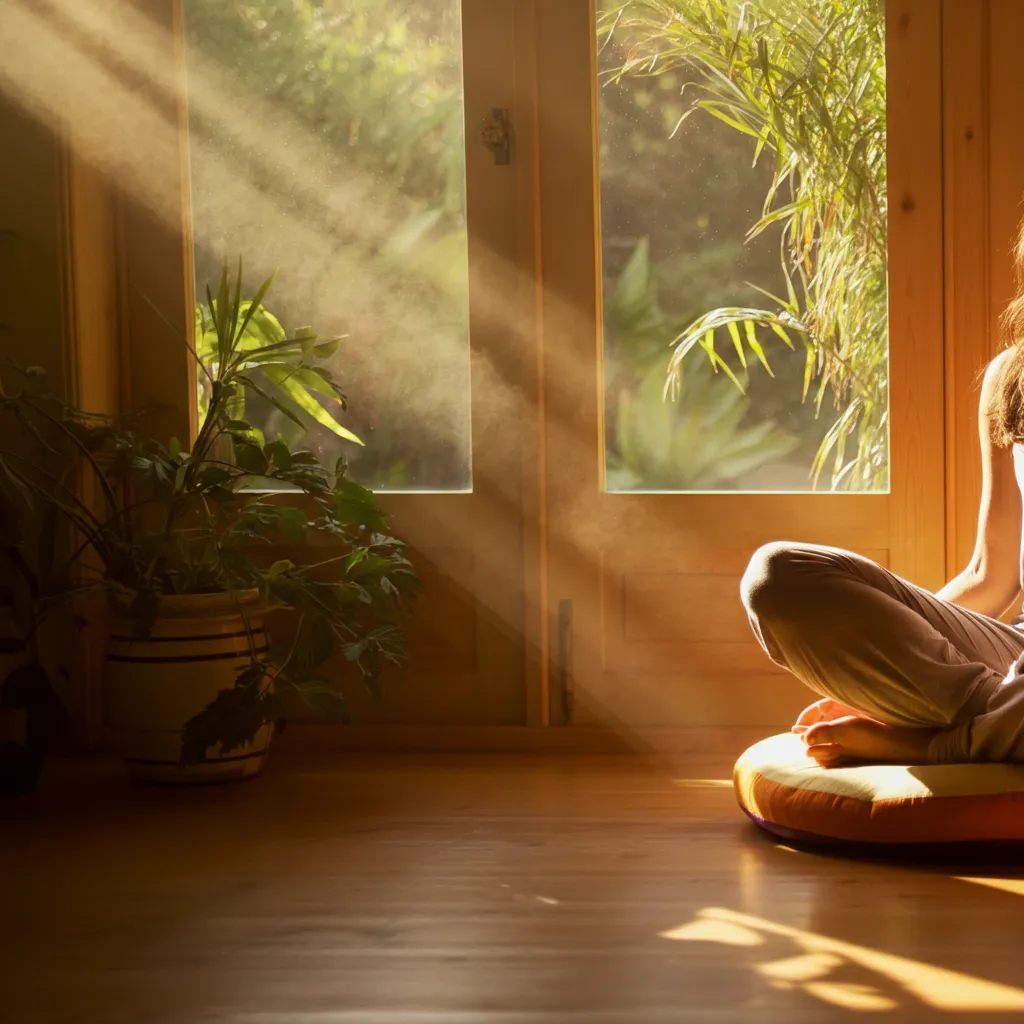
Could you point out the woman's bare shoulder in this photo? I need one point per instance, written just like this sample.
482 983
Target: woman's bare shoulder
991 383
995 368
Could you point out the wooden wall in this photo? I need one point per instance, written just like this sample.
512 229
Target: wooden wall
31 184
58 302
983 187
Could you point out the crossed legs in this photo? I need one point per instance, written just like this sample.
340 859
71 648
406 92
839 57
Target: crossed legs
903 674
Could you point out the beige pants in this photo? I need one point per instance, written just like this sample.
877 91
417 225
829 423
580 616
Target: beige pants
853 631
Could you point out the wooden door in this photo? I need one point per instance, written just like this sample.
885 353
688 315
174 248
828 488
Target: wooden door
647 626
388 218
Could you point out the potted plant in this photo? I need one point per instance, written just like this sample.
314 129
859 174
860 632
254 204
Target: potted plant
182 537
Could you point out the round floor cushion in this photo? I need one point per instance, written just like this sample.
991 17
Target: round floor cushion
789 795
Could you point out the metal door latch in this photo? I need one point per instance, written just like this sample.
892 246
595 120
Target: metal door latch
497 135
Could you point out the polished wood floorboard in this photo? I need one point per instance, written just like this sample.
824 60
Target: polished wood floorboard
448 889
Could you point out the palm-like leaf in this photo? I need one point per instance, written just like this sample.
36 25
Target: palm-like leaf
239 339
699 442
805 79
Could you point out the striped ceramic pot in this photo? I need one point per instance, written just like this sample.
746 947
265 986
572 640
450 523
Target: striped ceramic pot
198 645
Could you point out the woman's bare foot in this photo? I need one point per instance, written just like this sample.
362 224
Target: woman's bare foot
853 739
824 710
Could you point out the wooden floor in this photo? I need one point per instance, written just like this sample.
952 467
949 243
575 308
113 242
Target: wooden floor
447 889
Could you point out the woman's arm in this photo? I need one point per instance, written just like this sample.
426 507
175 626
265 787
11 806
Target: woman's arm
991 580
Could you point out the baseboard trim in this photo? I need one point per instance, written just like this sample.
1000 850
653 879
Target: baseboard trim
709 741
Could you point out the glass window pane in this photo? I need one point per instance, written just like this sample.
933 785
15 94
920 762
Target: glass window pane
327 145
743 203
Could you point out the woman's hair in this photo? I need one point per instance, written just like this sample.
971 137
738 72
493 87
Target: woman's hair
1008 403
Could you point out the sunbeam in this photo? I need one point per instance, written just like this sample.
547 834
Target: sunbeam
819 955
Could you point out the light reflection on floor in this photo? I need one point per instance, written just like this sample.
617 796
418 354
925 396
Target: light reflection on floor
1014 885
816 957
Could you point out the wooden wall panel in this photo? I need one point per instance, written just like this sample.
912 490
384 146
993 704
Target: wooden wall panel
442 634
969 341
156 232
914 154
686 621
635 702
93 359
683 609
1006 155
691 662
983 158
536 613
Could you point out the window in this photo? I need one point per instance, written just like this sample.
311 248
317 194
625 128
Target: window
328 146
743 205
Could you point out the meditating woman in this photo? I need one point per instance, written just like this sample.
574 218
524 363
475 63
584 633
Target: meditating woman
906 675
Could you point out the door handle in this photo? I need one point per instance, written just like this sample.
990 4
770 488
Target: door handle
497 135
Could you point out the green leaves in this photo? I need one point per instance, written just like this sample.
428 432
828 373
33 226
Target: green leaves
805 81
233 718
755 345
292 523
323 698
354 505
279 456
699 441
180 521
634 291
251 458
210 476
702 333
297 383
242 346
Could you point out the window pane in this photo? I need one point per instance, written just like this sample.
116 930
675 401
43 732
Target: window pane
327 144
743 202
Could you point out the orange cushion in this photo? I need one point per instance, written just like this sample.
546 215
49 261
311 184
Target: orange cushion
789 795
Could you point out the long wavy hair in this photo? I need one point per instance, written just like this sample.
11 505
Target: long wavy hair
1008 403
